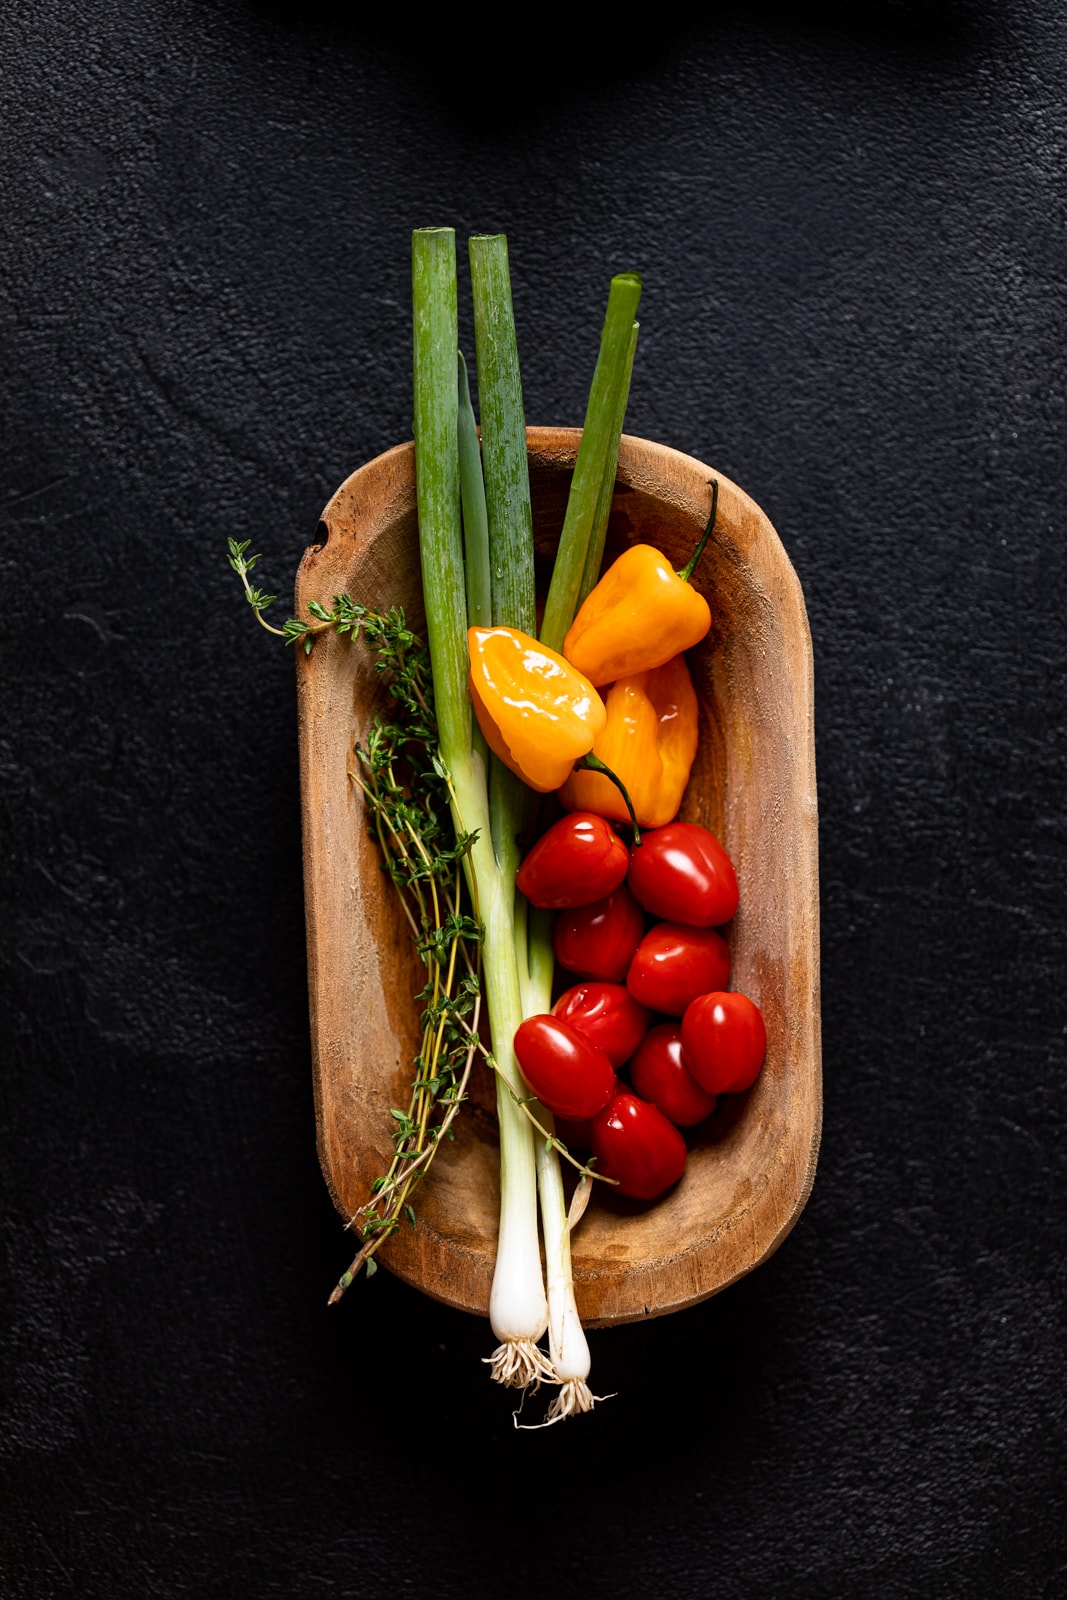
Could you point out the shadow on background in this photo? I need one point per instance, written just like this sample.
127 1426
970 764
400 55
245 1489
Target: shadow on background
517 88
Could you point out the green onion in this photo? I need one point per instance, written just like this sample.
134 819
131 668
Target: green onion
594 554
507 488
576 570
514 605
492 485
507 499
518 1310
475 527
598 449
568 1347
475 514
507 475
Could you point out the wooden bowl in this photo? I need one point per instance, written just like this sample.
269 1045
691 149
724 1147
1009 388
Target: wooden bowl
751 1166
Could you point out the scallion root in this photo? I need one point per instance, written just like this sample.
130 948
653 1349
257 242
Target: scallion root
575 1396
519 1364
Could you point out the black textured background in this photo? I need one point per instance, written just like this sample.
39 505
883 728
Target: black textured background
850 221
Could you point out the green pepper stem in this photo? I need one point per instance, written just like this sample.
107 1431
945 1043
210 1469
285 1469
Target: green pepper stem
690 567
593 763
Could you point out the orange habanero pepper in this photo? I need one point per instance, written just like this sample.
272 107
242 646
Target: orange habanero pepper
640 614
538 714
649 743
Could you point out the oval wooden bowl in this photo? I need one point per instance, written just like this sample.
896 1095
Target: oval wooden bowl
751 1166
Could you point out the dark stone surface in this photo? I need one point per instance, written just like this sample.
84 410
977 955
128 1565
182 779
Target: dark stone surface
850 219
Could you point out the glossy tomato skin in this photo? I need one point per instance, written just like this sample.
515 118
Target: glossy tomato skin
675 963
724 1042
682 872
659 1074
608 1014
578 860
571 1075
635 1144
598 941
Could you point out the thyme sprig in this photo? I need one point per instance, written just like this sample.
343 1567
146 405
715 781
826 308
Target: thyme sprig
424 857
347 616
406 794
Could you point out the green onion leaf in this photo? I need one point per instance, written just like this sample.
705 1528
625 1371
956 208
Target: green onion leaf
598 448
507 476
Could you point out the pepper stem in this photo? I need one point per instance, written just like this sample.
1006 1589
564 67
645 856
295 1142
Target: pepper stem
592 763
690 566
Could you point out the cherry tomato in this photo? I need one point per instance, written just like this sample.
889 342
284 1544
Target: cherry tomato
682 872
724 1042
606 1013
598 941
579 859
635 1143
575 1135
659 1074
675 963
568 1072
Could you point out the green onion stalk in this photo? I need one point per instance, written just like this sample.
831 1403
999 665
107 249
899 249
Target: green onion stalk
476 544
585 525
518 1308
568 1347
508 554
576 570
512 806
510 534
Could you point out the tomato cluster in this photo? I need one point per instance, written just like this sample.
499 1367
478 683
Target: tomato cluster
652 1002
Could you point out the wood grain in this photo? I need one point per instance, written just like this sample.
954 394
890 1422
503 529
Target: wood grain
751 1166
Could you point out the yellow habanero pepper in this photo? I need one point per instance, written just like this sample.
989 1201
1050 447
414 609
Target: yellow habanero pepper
640 614
538 714
649 743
